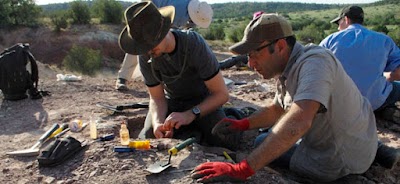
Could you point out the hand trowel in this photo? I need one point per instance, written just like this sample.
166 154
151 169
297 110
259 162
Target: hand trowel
161 165
34 150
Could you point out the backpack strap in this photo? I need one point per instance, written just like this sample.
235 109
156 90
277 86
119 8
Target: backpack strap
34 68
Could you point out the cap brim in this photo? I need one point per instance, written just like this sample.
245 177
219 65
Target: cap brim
243 47
336 20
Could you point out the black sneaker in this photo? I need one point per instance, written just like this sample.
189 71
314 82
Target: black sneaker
391 114
387 156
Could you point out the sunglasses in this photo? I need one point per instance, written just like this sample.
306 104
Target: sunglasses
261 48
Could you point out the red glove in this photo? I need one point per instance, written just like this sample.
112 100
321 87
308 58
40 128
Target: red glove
222 171
227 126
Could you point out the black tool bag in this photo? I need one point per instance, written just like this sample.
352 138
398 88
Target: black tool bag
15 79
58 151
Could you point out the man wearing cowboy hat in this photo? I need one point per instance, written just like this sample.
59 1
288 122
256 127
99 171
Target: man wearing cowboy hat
184 82
188 14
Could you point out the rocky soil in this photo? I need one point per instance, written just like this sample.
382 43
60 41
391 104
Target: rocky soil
22 122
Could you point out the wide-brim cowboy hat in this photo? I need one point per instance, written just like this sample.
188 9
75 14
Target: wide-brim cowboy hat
146 26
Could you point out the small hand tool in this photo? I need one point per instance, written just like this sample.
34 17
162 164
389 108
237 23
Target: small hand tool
159 166
107 137
34 150
123 149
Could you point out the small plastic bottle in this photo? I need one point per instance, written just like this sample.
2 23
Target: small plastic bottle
93 128
124 134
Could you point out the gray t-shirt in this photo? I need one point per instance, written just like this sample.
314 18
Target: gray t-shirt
343 138
201 65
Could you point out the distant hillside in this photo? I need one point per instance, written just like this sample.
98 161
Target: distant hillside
64 6
232 10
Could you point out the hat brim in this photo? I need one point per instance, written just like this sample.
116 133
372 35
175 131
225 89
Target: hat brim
131 46
202 23
336 20
243 47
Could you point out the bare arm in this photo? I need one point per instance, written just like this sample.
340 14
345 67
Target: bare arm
266 117
393 76
218 96
158 109
285 133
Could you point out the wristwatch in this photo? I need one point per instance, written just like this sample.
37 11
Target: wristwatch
196 111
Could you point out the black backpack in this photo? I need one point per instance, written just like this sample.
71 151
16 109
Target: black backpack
15 79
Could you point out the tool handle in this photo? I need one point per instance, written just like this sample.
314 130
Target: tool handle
49 132
133 106
177 148
107 137
123 149
59 129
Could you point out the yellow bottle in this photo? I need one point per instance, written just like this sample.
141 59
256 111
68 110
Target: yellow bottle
124 134
143 145
93 128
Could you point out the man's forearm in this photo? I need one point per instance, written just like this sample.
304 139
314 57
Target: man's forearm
158 110
284 134
212 102
265 117
280 140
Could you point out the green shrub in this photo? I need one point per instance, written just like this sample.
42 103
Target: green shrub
83 60
395 35
80 12
311 34
59 20
109 11
235 34
215 32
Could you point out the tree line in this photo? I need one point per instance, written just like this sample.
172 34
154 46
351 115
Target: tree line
230 19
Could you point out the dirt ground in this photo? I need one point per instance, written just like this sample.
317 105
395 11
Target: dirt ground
22 123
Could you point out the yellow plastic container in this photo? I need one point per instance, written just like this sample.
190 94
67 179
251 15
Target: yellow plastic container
143 145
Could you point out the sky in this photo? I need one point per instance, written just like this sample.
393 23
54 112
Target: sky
42 2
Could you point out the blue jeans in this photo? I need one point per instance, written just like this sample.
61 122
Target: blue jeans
393 97
284 160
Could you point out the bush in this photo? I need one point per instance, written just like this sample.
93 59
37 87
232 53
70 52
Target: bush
236 34
19 13
109 11
395 35
79 12
311 34
83 60
215 32
59 20
381 28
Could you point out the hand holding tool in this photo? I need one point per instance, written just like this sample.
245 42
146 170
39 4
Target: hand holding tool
222 171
